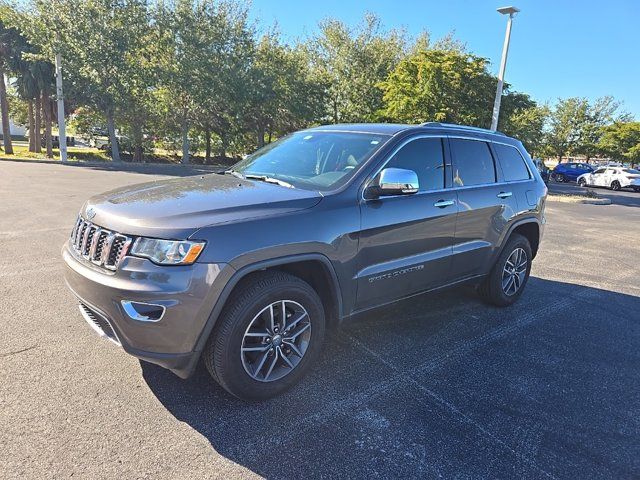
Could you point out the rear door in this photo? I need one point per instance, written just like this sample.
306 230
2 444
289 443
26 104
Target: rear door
485 206
597 177
406 241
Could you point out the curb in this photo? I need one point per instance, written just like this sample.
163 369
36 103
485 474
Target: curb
123 165
596 201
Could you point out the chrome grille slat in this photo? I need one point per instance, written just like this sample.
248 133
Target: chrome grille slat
100 246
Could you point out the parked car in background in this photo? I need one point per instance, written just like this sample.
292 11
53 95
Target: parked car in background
247 268
569 172
614 178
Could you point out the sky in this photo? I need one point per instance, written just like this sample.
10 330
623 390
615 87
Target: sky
562 48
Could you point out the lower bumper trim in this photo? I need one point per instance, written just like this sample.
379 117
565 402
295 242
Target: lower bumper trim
99 324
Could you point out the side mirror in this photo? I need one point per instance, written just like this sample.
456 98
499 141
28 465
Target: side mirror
394 181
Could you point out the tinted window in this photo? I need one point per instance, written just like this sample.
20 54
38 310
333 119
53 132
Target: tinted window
512 163
424 156
600 170
473 163
313 159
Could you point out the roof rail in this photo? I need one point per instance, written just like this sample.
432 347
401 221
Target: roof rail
453 126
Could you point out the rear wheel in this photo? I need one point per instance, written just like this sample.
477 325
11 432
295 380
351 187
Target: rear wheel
560 177
636 189
267 337
508 277
615 185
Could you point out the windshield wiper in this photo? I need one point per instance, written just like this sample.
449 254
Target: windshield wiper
264 178
234 173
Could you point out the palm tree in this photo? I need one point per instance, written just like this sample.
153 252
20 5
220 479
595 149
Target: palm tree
7 41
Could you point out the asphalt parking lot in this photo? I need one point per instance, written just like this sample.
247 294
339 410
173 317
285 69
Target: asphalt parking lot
441 386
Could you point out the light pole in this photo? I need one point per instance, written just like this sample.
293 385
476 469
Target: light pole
511 11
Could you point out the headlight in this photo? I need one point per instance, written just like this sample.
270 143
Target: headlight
167 252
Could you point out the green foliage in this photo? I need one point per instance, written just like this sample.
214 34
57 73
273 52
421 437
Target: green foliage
351 63
621 141
197 75
575 125
441 86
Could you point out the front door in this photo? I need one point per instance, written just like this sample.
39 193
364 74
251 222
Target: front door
485 206
406 241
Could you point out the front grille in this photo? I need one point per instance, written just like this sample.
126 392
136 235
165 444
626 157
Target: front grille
100 246
100 324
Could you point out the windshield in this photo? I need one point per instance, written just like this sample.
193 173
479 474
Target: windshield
312 160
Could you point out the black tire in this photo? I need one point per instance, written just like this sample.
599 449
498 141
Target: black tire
582 182
559 178
491 289
615 185
222 354
636 189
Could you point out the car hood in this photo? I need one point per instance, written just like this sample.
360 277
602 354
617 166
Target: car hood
176 208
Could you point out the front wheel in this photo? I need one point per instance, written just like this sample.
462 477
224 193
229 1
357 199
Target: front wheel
268 335
508 277
582 182
615 185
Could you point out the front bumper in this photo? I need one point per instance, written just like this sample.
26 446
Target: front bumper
187 293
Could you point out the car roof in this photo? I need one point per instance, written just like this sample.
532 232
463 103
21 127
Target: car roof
428 127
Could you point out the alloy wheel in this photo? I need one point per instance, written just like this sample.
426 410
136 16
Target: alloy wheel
275 341
514 272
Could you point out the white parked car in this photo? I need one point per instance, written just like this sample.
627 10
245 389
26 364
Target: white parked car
611 177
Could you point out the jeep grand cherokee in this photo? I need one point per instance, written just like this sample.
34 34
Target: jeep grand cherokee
247 268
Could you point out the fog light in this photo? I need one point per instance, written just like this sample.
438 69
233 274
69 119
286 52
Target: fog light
143 312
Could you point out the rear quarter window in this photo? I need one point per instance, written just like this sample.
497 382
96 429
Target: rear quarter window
513 164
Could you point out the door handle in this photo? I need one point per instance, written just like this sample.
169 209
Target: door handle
443 203
504 194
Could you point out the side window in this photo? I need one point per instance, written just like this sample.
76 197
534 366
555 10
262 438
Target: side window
599 171
473 163
512 163
425 157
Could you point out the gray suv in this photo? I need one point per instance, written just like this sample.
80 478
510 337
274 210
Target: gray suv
248 268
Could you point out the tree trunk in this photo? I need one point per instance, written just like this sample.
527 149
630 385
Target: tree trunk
224 145
185 141
207 150
32 127
37 144
111 127
137 142
260 137
4 106
46 110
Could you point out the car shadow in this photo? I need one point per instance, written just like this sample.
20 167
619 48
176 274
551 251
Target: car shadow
411 389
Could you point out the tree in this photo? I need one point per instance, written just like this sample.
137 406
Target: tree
282 95
601 112
439 85
8 36
521 117
566 122
575 125
99 39
621 141
351 63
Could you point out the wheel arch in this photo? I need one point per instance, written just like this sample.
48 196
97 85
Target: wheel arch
528 228
315 269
